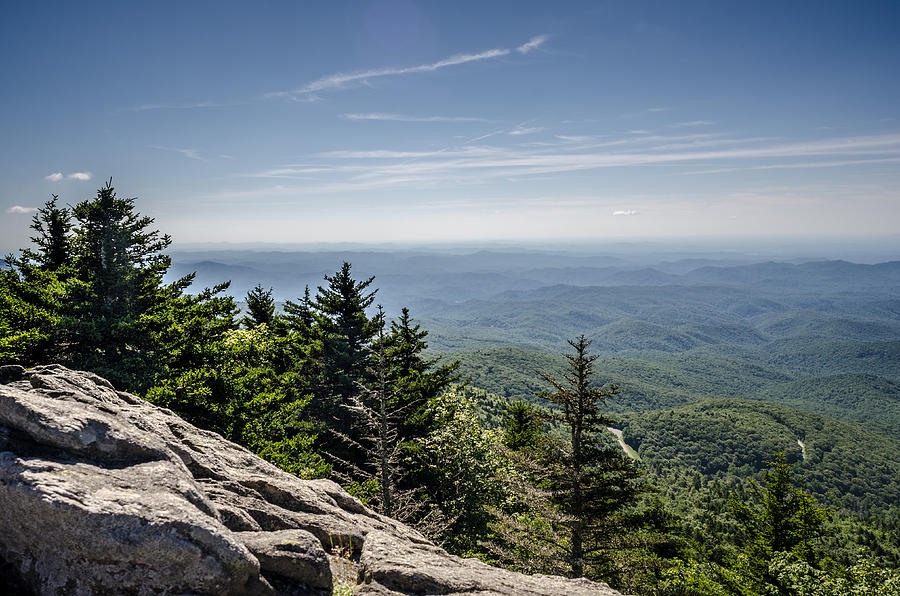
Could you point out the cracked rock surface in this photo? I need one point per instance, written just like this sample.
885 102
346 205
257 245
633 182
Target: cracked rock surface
104 493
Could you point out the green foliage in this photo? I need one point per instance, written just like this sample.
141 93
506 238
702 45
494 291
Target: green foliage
463 466
52 226
237 392
846 465
29 314
779 519
523 426
116 297
260 308
303 388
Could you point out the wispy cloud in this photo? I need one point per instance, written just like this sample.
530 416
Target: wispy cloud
658 109
802 165
20 210
83 176
54 177
525 130
188 153
356 171
625 212
692 123
341 80
532 44
177 106
407 118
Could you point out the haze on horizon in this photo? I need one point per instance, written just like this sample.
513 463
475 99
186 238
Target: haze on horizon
402 121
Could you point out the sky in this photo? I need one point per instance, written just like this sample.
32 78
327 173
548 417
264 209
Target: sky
406 121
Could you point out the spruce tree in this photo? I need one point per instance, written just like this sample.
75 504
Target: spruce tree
114 311
416 379
591 483
260 308
53 227
342 336
345 329
778 518
299 317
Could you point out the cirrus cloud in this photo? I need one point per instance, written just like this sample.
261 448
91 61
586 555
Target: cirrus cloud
532 44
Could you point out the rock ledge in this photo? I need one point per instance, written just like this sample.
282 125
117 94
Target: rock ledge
104 493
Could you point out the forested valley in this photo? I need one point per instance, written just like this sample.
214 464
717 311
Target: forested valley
474 398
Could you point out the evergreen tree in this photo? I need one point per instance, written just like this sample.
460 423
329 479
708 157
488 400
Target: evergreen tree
342 335
344 329
260 308
299 318
781 519
523 425
31 289
29 313
416 379
116 300
591 483
52 226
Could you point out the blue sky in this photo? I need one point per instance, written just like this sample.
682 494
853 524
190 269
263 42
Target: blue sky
430 121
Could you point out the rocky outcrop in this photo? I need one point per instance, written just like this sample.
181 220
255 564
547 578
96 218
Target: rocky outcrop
104 493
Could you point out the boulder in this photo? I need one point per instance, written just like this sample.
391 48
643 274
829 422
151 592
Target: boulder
104 493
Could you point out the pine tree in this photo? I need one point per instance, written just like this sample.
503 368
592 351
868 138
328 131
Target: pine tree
417 380
779 519
523 425
116 296
260 308
52 226
591 483
342 333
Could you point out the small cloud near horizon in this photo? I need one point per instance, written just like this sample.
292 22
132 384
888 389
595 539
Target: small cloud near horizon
20 210
58 176
625 212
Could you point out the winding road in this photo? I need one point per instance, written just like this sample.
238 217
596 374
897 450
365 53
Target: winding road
628 450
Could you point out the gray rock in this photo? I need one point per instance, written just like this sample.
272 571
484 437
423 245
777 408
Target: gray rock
293 554
409 568
104 493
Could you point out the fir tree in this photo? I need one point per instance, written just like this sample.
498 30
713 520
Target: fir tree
52 226
299 318
592 484
779 519
260 308
416 379
523 425
116 297
342 335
